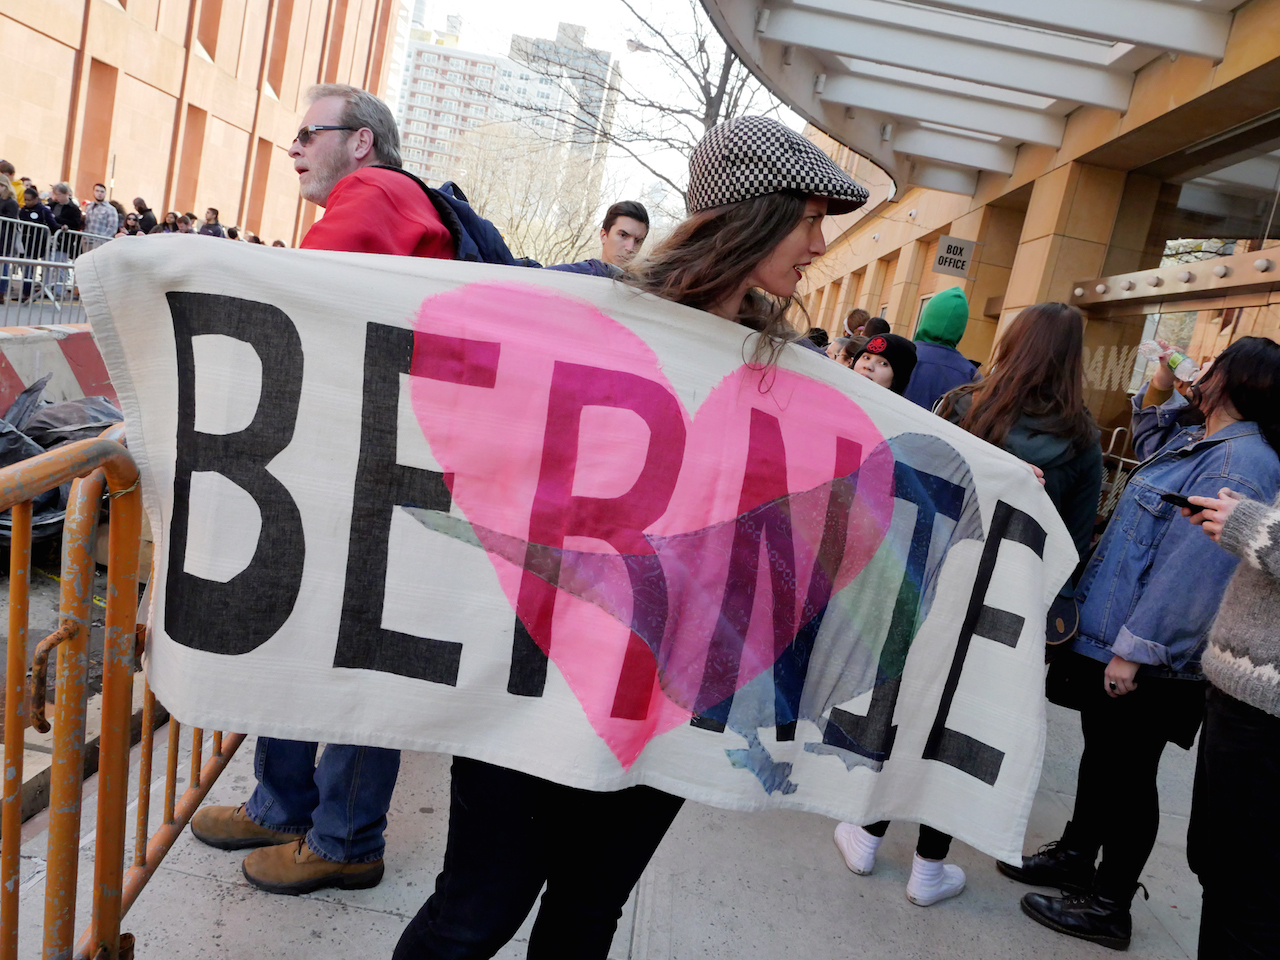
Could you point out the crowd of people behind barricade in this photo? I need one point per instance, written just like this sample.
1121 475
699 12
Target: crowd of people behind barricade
77 225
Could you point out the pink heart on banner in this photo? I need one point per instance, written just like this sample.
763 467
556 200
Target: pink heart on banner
560 429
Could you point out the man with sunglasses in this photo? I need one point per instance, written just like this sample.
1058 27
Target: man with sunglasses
321 825
345 142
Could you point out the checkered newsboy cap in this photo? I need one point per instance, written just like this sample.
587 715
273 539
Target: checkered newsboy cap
751 156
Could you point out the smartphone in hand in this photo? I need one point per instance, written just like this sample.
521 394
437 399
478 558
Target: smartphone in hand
1178 500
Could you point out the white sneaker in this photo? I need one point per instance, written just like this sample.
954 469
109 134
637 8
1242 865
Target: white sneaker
933 880
858 848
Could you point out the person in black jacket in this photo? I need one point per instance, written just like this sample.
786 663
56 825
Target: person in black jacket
146 216
1032 404
35 212
66 213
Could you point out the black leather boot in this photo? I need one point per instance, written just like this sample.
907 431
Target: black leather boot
1056 865
1089 916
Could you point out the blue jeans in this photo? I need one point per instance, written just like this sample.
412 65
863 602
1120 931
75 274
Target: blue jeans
340 804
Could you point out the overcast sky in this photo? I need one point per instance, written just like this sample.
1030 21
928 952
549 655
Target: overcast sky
487 26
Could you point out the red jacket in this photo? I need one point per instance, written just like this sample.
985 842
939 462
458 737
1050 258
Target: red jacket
380 211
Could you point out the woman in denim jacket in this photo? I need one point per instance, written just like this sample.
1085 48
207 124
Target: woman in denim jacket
1147 600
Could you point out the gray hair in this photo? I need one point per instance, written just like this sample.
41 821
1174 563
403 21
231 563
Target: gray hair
361 109
62 188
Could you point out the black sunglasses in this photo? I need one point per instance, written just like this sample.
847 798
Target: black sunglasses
306 133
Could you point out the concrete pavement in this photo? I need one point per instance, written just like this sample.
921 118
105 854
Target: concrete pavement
722 885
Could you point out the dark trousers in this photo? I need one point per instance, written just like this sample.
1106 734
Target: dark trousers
1232 843
509 833
1117 807
932 845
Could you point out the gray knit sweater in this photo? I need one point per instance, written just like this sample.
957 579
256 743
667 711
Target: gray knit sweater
1243 658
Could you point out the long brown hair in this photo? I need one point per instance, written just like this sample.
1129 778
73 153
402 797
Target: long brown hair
708 256
1037 371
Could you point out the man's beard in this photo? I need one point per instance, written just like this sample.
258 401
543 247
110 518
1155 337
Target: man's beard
324 174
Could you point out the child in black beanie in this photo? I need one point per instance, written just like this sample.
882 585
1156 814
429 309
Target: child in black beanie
887 359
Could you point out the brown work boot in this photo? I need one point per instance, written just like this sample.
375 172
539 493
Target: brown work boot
294 868
229 828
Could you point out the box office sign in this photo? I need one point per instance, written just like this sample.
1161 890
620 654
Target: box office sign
545 521
954 256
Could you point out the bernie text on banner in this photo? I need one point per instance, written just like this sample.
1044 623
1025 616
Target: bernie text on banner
543 520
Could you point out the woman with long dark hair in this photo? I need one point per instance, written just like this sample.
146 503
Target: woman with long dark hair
129 226
757 194
170 224
1031 404
740 261
1147 601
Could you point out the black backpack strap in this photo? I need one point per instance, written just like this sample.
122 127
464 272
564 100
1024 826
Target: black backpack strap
443 209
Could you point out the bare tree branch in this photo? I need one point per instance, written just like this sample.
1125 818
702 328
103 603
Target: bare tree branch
543 196
715 87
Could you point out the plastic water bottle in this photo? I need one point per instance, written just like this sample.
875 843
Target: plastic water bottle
1183 367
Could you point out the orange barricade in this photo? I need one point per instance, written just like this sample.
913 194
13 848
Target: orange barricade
93 465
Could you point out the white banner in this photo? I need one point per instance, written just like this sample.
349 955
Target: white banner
545 521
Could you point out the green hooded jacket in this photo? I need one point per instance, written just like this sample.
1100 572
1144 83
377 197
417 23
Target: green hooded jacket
944 318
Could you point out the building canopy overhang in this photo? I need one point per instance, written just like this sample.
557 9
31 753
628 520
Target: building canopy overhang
937 91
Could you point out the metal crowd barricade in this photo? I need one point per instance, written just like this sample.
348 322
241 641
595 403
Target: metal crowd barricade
29 297
26 252
94 465
22 238
76 242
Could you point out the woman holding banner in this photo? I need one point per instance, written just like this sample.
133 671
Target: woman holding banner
1147 601
757 195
